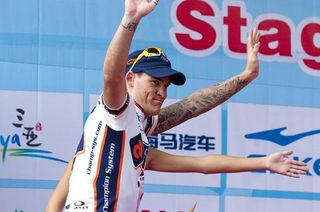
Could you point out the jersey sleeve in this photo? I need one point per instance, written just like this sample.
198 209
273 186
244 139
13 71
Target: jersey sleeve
151 124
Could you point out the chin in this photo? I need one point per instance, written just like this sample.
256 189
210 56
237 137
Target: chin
154 112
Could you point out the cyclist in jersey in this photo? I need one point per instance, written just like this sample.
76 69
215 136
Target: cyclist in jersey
107 171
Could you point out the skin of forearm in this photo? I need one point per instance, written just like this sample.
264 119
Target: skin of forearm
227 164
116 56
210 164
200 102
114 65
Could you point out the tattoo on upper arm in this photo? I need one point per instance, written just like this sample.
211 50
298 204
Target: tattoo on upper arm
197 103
171 116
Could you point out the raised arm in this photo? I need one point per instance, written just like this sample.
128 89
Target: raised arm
114 89
205 99
58 197
278 162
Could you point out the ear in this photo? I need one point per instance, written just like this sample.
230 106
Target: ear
130 79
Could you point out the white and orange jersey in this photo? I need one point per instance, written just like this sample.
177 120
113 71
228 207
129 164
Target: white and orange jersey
108 169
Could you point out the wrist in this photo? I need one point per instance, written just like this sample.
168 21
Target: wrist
249 75
265 163
129 23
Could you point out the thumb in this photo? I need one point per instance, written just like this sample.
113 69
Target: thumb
257 46
287 153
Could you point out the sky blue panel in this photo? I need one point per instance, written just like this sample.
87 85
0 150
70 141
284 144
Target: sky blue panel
66 51
62 29
19 16
60 79
102 18
93 81
18 76
153 188
72 36
278 95
19 47
60 17
95 53
275 73
60 45
100 28
18 31
28 183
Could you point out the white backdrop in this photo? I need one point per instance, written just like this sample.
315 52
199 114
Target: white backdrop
51 55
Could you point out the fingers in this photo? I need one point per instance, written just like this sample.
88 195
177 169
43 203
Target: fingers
155 2
255 35
253 39
256 46
298 164
287 153
296 172
253 44
299 167
291 174
282 164
296 168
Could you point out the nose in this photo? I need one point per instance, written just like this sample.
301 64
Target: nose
162 91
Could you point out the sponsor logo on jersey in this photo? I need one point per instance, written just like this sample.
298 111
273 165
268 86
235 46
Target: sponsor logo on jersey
139 151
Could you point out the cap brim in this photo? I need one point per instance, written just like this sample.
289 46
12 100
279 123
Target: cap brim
176 77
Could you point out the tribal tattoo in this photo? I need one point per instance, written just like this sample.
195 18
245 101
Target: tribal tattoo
130 26
197 103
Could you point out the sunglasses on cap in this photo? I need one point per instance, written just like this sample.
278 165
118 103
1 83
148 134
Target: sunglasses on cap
149 52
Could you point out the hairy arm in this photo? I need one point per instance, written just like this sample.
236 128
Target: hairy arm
277 162
114 85
59 195
205 99
199 102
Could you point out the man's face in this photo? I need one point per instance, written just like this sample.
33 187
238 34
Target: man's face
150 92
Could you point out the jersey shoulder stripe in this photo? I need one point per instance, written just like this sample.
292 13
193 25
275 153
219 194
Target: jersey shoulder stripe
109 167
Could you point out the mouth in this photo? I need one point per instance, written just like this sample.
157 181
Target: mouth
158 101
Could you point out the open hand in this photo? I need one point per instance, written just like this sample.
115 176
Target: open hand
136 9
253 46
280 163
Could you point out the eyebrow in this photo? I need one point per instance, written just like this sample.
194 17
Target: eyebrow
162 80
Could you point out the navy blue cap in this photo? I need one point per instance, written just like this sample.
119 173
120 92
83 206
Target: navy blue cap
155 66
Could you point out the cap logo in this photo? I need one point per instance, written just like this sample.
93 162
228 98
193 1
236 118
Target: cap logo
164 57
131 61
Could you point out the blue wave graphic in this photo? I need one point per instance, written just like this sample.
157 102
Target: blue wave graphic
34 153
275 136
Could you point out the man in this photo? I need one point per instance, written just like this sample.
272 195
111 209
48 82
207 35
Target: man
107 172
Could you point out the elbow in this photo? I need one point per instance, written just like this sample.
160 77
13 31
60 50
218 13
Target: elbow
57 201
110 79
113 73
54 208
206 166
210 165
205 171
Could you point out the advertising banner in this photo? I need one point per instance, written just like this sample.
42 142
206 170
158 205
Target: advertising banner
51 60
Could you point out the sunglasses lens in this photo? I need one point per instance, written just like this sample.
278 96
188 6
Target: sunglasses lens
153 50
149 52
